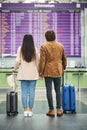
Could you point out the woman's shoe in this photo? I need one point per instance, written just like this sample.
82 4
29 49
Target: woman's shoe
30 113
25 114
59 112
51 113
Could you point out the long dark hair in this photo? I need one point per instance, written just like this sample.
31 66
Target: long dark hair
28 48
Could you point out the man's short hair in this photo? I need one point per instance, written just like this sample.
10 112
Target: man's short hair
50 35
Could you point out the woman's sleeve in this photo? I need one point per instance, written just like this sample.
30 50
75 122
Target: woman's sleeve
18 59
37 59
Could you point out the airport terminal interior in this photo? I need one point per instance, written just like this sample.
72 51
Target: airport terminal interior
68 18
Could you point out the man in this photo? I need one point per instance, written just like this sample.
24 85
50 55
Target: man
53 61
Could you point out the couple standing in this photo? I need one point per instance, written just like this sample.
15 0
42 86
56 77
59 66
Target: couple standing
50 65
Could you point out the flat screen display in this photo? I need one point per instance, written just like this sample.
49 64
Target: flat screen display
14 24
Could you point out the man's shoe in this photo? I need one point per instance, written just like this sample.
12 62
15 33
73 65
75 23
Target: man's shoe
51 113
59 112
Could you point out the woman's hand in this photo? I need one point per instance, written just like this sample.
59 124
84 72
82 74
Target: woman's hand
13 71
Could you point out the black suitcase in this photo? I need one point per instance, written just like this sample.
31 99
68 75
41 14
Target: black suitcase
12 103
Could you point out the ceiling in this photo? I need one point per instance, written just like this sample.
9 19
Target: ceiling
41 1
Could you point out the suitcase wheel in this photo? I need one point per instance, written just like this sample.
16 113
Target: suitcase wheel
12 114
73 112
8 114
69 112
64 112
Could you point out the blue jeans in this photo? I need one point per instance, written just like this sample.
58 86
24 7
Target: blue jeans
57 83
28 93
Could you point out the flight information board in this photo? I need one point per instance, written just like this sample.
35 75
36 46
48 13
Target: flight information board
14 24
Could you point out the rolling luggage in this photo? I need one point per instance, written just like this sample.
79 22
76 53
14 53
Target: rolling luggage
12 103
12 97
68 98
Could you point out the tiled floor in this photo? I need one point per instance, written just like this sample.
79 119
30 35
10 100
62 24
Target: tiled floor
40 121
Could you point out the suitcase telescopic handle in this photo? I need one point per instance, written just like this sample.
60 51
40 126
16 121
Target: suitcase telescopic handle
15 85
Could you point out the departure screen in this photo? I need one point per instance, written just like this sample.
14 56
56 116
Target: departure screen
14 24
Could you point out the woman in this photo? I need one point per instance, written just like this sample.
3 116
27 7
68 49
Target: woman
52 64
27 61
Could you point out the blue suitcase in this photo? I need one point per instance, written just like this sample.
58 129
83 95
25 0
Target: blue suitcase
68 98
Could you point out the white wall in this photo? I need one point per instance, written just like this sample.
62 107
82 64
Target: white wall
85 35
